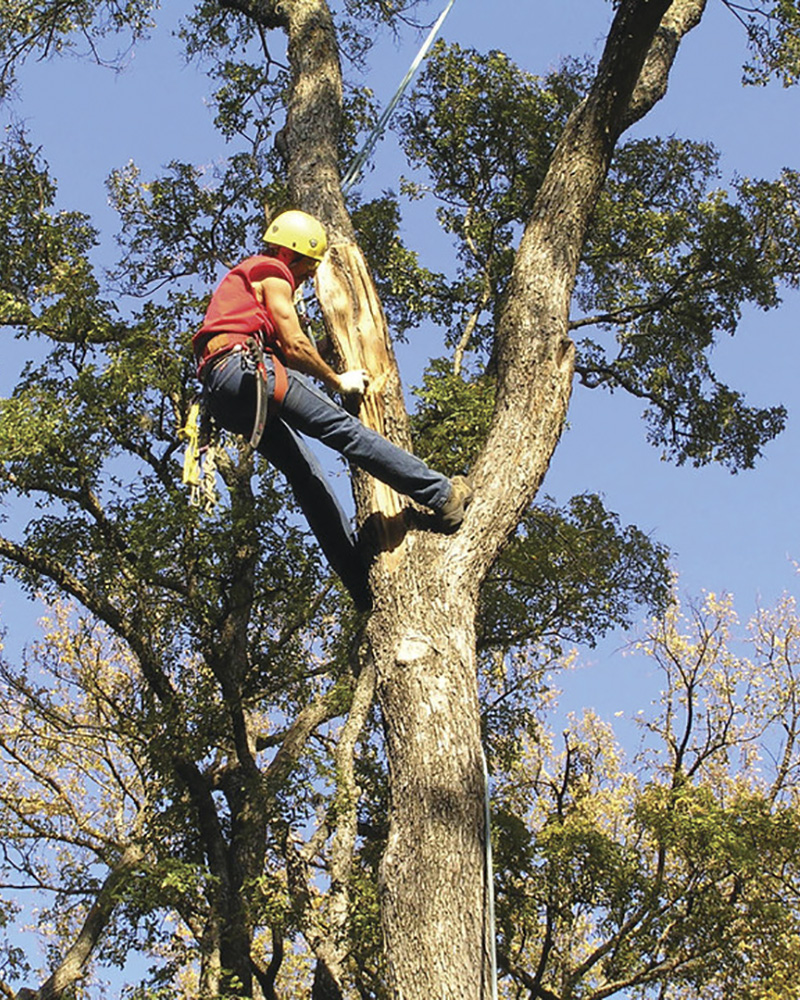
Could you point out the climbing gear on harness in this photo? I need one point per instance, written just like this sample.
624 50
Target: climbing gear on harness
265 404
221 345
299 232
199 461
262 396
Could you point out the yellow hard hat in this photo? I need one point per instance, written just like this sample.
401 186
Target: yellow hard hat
299 232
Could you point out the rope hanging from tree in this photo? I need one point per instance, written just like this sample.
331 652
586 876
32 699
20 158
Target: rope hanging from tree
490 932
355 168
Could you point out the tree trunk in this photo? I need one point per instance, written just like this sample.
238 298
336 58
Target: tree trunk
432 879
426 586
422 640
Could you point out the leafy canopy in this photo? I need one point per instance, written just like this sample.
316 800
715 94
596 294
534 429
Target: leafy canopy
671 262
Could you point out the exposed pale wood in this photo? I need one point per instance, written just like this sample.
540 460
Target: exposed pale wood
356 325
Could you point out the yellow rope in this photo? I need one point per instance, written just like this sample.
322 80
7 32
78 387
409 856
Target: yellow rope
199 464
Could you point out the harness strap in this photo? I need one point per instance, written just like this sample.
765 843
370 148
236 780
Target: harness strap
281 383
262 399
266 405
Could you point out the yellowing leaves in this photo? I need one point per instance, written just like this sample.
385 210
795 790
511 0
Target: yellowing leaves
677 864
65 740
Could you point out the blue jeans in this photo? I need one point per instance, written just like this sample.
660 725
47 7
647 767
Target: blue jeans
231 389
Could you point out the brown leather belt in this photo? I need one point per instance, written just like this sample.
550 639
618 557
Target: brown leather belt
217 345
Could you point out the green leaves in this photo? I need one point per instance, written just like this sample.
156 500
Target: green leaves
483 131
47 283
409 292
186 223
452 421
49 28
773 31
570 575
670 265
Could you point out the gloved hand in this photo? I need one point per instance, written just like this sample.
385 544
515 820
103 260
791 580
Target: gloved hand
353 382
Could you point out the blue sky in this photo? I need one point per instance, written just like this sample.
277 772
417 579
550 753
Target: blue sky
732 533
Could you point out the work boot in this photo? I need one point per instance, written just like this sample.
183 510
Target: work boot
452 513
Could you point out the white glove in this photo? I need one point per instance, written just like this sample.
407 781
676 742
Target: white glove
354 382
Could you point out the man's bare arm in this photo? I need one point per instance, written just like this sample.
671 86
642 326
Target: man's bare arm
298 353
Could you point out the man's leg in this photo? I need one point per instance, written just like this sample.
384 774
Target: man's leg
232 395
310 411
286 450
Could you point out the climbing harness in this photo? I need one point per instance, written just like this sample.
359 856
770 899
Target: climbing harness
217 348
262 395
199 460
355 168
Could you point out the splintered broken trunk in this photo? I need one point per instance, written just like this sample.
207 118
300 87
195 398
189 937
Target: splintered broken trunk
357 328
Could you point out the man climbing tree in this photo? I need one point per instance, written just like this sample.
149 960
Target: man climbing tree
234 716
251 330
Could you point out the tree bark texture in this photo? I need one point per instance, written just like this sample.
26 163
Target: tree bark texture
432 886
314 116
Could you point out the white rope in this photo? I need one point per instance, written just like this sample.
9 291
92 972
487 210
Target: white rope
491 931
355 168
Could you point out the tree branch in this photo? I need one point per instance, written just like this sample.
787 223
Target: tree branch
682 16
71 968
99 605
534 354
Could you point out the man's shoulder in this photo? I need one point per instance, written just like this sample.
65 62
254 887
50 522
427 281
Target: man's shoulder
260 267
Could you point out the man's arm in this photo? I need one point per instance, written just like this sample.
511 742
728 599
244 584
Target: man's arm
298 353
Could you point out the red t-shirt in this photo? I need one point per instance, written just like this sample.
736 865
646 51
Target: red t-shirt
234 307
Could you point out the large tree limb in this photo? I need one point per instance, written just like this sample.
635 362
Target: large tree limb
682 16
313 123
535 354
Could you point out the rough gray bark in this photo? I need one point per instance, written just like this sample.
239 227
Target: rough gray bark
314 114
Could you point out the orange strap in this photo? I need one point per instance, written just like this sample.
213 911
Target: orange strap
281 382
